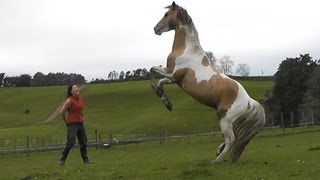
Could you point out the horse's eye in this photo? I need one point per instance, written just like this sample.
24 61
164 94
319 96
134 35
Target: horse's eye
166 14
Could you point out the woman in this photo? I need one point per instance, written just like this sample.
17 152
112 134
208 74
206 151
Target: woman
74 122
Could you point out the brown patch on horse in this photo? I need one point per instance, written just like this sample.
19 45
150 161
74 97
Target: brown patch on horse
228 90
179 74
179 45
205 61
218 92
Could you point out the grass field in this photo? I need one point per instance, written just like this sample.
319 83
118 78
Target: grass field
120 108
293 154
132 108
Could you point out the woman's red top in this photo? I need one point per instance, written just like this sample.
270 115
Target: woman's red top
75 114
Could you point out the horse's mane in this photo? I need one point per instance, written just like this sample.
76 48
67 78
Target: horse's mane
183 15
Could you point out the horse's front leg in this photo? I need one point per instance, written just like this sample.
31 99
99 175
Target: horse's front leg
163 96
158 87
154 85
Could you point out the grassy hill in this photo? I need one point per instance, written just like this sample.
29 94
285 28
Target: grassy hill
121 108
39 101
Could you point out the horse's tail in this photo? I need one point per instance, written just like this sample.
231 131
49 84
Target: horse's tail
246 127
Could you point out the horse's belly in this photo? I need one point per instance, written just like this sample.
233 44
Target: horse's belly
202 95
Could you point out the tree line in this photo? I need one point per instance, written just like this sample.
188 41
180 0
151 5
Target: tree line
225 65
40 79
296 89
115 76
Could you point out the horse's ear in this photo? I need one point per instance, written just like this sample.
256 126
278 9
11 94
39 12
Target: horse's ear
173 5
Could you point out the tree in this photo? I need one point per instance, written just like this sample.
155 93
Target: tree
290 86
38 79
113 75
243 69
23 80
1 79
145 73
17 81
51 79
211 57
10 81
76 79
226 65
121 76
128 74
137 73
311 100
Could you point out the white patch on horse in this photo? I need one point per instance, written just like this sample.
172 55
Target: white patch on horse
192 58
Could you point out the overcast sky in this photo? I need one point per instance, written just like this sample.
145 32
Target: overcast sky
94 37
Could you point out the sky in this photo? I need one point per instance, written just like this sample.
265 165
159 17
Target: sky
94 37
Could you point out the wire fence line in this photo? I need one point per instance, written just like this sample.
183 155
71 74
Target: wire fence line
36 145
293 119
30 145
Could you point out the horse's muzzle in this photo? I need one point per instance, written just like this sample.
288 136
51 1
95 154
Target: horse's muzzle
157 30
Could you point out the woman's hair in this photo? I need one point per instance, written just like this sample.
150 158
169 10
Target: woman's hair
69 93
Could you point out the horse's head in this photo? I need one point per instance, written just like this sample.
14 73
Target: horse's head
172 19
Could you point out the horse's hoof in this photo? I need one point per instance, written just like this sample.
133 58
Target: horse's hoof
167 103
169 107
216 161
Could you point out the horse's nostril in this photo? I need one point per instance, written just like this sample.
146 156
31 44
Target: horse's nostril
157 30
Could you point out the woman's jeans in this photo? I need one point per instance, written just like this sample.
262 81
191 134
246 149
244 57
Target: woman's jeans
75 130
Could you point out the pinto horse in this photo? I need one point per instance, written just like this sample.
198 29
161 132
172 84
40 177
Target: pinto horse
188 66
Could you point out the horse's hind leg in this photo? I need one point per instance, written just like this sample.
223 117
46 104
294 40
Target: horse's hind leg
227 130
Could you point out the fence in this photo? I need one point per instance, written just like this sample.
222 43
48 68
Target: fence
293 119
36 145
30 145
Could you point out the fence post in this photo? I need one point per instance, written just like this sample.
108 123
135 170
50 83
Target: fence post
110 139
38 144
164 134
282 122
27 145
3 146
291 117
43 143
15 146
312 117
302 114
96 136
160 135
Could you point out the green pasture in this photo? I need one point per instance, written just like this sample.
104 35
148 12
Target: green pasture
120 108
132 109
273 154
39 101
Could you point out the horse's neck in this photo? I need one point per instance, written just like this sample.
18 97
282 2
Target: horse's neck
186 37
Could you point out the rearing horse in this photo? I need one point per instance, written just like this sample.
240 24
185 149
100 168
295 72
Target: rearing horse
240 116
